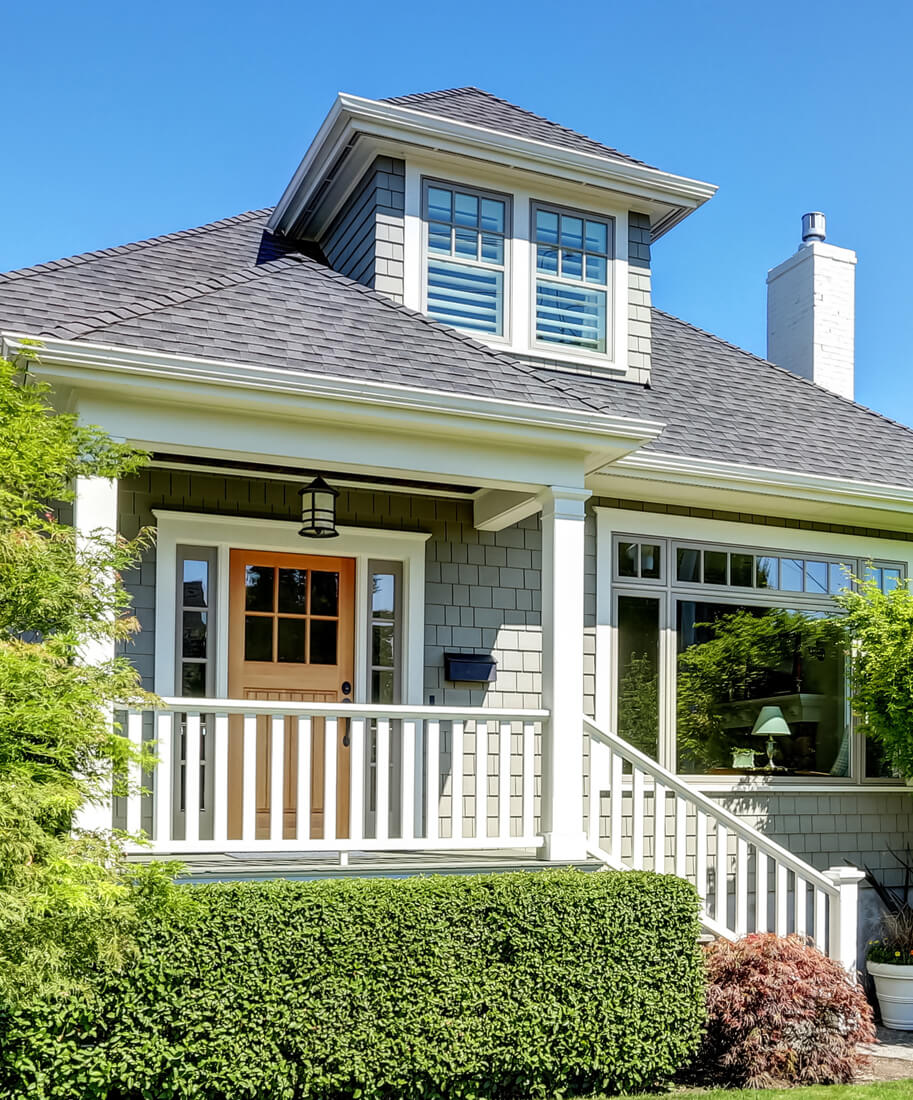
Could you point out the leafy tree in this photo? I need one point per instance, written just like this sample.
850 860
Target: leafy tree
67 899
880 627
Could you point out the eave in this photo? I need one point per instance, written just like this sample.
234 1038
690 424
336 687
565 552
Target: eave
667 197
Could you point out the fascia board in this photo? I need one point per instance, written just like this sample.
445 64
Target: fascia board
390 121
599 436
716 474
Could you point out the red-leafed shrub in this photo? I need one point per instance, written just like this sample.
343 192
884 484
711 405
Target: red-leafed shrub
780 1013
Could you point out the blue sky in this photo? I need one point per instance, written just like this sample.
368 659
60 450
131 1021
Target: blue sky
121 121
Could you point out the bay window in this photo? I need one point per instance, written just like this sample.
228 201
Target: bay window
466 257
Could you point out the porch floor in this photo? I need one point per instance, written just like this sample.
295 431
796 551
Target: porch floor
249 866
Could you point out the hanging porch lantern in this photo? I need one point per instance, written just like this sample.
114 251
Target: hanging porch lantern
318 510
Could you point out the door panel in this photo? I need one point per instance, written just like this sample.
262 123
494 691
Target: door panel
291 637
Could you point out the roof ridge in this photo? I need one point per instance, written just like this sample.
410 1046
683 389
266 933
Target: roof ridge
516 107
131 246
783 370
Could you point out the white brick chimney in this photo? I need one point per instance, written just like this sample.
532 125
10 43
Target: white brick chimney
811 310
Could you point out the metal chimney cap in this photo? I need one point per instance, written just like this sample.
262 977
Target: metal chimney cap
814 226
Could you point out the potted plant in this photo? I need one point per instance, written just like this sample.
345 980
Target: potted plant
889 960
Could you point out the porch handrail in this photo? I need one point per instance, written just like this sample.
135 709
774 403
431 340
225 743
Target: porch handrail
711 808
789 895
353 710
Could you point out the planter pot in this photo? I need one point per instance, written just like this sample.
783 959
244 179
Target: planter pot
894 986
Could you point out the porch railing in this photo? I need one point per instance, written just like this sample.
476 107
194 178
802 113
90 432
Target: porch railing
642 816
249 776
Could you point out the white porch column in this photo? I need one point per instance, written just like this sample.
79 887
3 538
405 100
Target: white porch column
844 915
562 672
95 512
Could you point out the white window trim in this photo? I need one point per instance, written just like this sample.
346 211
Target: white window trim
504 338
226 533
645 525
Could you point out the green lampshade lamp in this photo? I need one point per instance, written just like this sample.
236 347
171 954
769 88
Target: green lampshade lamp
771 724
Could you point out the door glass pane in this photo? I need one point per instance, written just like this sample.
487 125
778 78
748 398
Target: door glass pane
290 643
638 672
323 642
791 574
627 559
383 595
741 569
258 585
293 592
688 564
382 644
381 687
193 634
193 680
324 594
258 638
195 583
649 560
715 562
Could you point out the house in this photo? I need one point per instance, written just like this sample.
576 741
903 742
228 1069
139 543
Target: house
543 496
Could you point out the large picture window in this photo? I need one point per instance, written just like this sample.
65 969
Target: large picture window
466 257
753 678
573 271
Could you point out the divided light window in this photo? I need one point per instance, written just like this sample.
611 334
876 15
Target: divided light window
572 278
466 259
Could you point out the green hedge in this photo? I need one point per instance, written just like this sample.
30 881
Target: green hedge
512 985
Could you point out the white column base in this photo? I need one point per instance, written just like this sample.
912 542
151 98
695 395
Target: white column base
563 847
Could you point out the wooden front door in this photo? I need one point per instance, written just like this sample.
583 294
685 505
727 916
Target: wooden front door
291 637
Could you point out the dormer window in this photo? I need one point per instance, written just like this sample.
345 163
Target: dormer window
573 251
466 257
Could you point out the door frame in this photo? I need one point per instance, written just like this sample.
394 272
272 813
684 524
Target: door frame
226 533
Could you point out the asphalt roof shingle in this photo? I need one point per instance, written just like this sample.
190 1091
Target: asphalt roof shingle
481 108
230 291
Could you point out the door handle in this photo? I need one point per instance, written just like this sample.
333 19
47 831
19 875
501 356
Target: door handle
346 690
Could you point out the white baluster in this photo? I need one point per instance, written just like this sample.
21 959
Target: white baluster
529 777
741 887
192 778
820 919
659 827
382 773
681 836
356 778
700 851
481 780
637 818
407 784
782 926
504 781
303 801
249 780
456 780
219 750
277 778
330 742
801 905
164 732
599 774
135 775
722 874
433 791
762 890
616 806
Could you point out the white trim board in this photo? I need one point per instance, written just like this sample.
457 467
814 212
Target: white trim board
242 532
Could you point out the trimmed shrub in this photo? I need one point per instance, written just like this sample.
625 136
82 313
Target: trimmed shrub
780 1013
513 985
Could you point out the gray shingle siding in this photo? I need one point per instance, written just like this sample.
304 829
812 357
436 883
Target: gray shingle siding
366 239
640 314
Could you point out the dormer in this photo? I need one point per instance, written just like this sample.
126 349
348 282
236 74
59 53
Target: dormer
529 237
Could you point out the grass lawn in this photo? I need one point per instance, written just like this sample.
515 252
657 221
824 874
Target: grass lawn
880 1090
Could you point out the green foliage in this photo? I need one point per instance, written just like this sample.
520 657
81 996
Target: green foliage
735 664
880 625
638 703
66 901
525 985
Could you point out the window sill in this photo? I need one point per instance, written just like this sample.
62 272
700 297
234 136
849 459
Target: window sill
762 783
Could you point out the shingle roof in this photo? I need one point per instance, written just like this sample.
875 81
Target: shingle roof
481 108
230 291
